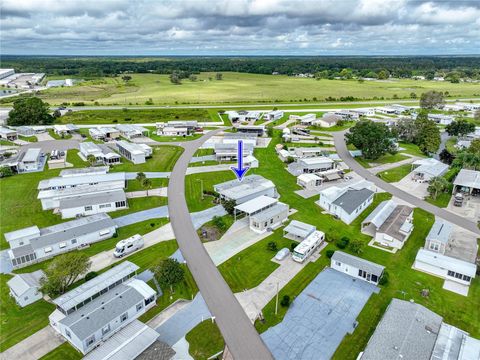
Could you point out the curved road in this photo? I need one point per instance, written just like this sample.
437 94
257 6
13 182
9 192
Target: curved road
344 154
243 341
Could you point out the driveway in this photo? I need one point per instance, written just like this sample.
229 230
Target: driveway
383 167
184 320
415 188
210 168
158 212
48 146
320 317
404 195
470 208
45 136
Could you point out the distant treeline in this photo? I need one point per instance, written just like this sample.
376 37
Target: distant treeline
323 67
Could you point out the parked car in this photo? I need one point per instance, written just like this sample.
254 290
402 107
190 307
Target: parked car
282 254
458 199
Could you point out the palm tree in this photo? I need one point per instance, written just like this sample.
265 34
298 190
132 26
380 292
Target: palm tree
92 159
147 184
140 177
437 184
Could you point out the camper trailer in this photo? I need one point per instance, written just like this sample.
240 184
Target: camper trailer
127 246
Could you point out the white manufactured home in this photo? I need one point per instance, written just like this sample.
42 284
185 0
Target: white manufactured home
136 153
24 288
115 180
252 186
102 153
31 245
357 267
91 203
90 314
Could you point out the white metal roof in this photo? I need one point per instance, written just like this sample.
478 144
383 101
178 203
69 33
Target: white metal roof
446 262
308 177
22 233
81 179
131 147
381 213
4 130
299 228
31 155
21 283
440 231
93 286
256 204
316 160
468 178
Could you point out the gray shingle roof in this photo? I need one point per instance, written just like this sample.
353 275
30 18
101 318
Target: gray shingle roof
407 329
101 311
22 282
352 199
358 263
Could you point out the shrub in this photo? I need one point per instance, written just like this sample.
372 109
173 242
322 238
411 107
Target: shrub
91 275
343 242
115 235
285 302
293 246
272 246
356 246
384 279
219 222
330 253
5 171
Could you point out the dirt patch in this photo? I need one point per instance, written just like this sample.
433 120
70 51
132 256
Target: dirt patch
209 233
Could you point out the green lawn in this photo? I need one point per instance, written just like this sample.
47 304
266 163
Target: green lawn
186 290
450 145
204 152
63 352
344 126
250 267
19 323
163 159
133 116
28 138
411 149
134 185
58 137
161 138
385 159
442 199
395 174
193 184
239 88
210 227
201 346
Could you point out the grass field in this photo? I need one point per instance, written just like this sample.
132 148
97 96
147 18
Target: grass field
238 88
63 352
59 137
193 188
385 159
134 185
113 116
18 323
201 346
442 199
395 174
251 266
163 159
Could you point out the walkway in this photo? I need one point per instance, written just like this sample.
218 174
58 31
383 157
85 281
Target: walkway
355 166
158 212
144 193
240 336
383 167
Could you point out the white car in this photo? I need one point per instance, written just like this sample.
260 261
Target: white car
282 254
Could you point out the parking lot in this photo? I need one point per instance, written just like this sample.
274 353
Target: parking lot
319 317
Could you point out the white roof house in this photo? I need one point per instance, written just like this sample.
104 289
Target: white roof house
88 317
357 267
136 153
84 179
311 165
297 230
24 287
467 181
31 245
250 187
258 204
101 152
425 169
263 212
92 203
97 170
8 134
390 223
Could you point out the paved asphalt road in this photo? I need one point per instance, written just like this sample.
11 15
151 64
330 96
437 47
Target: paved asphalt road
355 166
242 339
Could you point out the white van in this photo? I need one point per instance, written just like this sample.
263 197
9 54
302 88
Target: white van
127 246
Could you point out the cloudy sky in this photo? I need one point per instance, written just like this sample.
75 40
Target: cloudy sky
239 27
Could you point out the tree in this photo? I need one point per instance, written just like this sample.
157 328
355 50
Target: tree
219 76
126 78
140 177
269 131
384 278
343 242
229 206
405 129
413 95
432 99
56 114
374 139
356 246
474 147
383 74
460 128
192 77
175 78
330 253
272 246
169 272
147 184
446 157
219 222
29 111
63 271
467 160
427 135
5 171
285 302
437 185
92 160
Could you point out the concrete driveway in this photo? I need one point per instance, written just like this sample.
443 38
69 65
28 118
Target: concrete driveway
158 212
48 146
415 188
320 317
236 239
470 208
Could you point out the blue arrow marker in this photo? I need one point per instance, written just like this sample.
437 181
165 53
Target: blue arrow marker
240 170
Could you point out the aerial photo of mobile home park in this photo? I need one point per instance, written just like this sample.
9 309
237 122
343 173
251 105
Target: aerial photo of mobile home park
236 180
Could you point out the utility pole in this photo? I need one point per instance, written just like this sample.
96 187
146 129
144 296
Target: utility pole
276 302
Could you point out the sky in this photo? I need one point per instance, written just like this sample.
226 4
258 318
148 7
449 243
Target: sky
239 27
